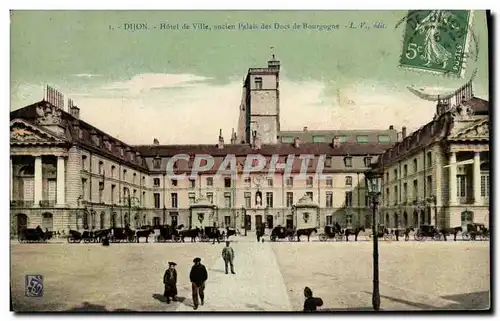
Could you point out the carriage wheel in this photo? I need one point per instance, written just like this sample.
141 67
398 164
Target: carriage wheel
339 237
177 239
466 236
86 240
290 238
437 237
418 237
323 237
388 237
369 236
273 238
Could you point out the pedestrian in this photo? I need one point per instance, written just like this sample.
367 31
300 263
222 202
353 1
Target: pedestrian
170 282
311 303
228 257
198 276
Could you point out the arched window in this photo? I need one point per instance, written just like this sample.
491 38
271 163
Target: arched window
126 219
101 220
47 221
113 220
396 220
386 223
405 219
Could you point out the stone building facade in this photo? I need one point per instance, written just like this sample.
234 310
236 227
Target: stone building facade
439 175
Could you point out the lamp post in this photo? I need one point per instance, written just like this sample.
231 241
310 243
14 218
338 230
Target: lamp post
373 184
244 213
432 200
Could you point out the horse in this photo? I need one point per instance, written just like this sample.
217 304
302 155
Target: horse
407 233
355 232
307 232
192 233
144 233
100 234
229 232
450 230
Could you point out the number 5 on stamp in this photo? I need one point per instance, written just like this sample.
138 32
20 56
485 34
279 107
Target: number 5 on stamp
436 41
34 285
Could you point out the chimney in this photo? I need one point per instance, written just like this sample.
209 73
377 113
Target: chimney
220 144
305 128
156 142
296 142
74 111
403 132
391 127
233 137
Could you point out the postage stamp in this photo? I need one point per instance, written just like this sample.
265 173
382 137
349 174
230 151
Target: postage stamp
34 285
436 41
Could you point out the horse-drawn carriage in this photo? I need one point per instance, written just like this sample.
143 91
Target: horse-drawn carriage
476 231
331 232
280 232
211 233
427 231
169 233
383 232
34 235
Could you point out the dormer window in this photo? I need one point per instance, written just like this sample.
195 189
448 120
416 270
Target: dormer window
156 163
348 161
328 162
368 161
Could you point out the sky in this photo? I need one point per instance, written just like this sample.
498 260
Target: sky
182 86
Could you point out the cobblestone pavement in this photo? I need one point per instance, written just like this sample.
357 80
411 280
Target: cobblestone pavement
269 276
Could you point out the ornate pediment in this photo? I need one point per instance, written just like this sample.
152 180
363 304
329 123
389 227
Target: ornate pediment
48 114
477 131
24 132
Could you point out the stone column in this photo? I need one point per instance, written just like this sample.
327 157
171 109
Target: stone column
38 181
477 178
61 180
452 185
11 175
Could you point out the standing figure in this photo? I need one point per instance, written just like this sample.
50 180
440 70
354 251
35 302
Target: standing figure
228 257
198 276
311 303
170 282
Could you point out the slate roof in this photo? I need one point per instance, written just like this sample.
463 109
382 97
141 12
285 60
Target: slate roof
307 135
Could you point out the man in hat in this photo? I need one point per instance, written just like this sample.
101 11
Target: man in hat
170 282
198 276
228 257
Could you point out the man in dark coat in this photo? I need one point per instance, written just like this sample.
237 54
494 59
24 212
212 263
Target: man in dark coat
170 282
228 257
198 276
311 303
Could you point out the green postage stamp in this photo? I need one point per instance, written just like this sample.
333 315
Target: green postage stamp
436 41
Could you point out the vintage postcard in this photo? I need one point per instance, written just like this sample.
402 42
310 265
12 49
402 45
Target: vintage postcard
250 161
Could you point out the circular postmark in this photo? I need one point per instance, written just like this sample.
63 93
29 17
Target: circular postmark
439 42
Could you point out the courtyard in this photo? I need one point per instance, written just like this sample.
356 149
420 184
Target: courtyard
269 276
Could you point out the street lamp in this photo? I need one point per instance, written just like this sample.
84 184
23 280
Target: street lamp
373 180
432 200
244 213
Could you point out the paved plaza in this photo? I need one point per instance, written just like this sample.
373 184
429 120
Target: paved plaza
269 276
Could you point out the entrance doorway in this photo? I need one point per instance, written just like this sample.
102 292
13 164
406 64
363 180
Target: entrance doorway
22 222
248 222
174 220
289 221
269 221
258 220
156 222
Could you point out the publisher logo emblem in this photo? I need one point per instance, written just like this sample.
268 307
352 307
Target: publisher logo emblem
34 285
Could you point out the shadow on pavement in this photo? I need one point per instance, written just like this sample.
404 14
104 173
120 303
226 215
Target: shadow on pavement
161 298
354 309
89 307
217 270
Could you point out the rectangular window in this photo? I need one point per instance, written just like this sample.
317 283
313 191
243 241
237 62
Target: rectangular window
227 200
101 191
287 139
289 199
405 170
124 176
387 176
367 201
227 221
113 187
384 138
328 161
101 168
84 162
415 189
173 181
84 189
289 181
309 181
395 195
368 161
405 192
329 220
248 199
341 139
429 159
329 181
415 165
461 186
348 199
210 181
143 199
270 182
174 200
329 199
258 83
310 195
485 185
156 163
192 183
348 181
429 185
191 198
269 199
210 197
156 182
227 182
156 198
396 174
348 161
388 196
362 139
318 139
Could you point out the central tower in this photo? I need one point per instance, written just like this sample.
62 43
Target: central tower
259 109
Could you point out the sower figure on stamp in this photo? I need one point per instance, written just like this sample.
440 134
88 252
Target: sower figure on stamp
228 257
198 276
170 282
